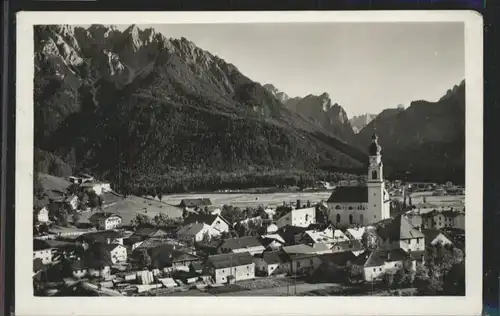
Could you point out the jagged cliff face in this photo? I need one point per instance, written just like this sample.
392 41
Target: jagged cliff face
360 121
170 104
319 109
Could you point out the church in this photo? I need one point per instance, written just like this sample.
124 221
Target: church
365 204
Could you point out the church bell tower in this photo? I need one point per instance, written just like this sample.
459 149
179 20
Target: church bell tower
378 207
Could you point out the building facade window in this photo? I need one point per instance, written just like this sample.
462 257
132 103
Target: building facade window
338 218
350 219
361 218
374 174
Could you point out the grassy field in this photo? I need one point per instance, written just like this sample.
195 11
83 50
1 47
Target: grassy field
250 199
275 199
129 207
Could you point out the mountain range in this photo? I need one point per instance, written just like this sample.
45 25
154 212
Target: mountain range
143 110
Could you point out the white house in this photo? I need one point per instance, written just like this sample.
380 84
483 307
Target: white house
43 251
196 232
375 263
459 221
98 187
43 215
116 252
213 220
328 236
400 234
434 236
300 217
355 233
362 204
272 262
105 220
272 241
248 244
225 268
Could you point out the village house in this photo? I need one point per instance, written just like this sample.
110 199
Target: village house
304 258
439 219
42 250
299 217
291 234
272 242
230 267
196 232
355 233
328 236
105 220
272 263
166 256
333 266
117 252
98 187
362 204
248 244
101 237
353 246
42 215
399 233
435 236
374 264
143 233
195 203
215 221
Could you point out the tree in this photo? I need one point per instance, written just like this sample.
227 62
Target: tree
76 219
144 259
370 239
162 219
388 279
73 188
141 220
454 280
206 237
93 199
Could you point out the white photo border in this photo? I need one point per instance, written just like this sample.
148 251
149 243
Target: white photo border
27 304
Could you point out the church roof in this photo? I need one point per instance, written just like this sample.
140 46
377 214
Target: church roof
357 194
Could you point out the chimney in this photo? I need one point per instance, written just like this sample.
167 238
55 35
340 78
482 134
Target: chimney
298 204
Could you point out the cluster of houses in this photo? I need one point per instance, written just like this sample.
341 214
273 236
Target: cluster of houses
201 251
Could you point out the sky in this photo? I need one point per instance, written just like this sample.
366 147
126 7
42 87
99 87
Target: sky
365 67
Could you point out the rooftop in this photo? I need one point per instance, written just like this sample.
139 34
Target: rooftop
379 258
231 260
398 229
102 215
353 194
241 242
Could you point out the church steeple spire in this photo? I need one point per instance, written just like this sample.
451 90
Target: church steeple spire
374 148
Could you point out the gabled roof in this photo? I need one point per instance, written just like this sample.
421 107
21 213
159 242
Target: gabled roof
230 260
347 246
100 236
399 229
149 232
338 259
192 229
195 202
379 258
102 215
273 257
241 242
431 234
354 194
208 219
303 249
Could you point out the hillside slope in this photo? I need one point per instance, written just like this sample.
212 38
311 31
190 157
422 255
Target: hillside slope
137 108
427 139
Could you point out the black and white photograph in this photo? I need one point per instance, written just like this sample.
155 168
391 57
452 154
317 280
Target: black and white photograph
263 159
